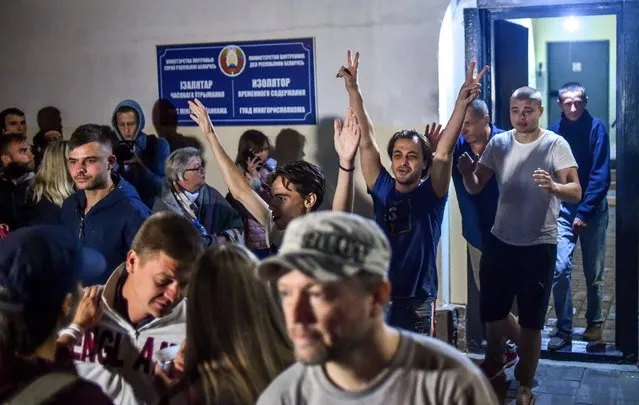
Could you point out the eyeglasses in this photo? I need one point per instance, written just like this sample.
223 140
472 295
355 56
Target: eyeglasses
199 169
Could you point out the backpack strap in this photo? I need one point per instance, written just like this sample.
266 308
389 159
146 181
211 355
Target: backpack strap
43 389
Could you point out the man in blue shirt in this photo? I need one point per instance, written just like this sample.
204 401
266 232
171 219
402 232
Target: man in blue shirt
409 206
586 221
477 211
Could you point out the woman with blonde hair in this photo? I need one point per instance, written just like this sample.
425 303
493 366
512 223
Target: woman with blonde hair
236 343
51 185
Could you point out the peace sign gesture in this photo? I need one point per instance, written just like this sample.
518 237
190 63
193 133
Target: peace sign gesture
349 72
471 89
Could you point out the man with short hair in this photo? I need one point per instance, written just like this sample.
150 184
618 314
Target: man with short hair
141 157
15 179
410 205
535 169
13 121
143 311
587 220
185 192
297 188
331 273
105 212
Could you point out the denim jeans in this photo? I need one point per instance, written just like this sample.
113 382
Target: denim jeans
412 314
593 251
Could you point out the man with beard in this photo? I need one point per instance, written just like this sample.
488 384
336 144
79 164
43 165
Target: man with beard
409 205
15 176
331 274
106 211
138 312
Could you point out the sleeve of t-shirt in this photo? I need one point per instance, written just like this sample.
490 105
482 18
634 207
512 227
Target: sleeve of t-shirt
488 155
562 157
383 186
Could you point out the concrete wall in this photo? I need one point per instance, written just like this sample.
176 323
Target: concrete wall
84 56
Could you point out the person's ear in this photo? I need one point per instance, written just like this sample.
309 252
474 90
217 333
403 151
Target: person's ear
559 104
381 297
5 160
132 259
111 160
310 200
541 110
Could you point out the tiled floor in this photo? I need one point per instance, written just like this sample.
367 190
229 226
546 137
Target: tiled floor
579 291
566 383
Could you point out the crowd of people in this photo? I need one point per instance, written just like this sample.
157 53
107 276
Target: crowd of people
104 236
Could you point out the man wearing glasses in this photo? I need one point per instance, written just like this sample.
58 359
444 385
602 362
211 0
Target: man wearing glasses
185 192
106 211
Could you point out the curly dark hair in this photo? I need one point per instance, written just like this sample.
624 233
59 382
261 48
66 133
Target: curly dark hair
306 177
412 134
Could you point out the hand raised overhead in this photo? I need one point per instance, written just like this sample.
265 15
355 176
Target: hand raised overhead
433 133
347 137
200 115
349 72
471 89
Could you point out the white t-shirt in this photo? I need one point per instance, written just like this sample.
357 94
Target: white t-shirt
526 213
425 371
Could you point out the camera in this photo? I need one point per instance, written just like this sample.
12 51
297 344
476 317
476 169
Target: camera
124 150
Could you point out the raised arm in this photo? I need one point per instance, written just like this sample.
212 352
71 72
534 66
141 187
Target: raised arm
233 177
475 174
347 140
368 149
445 145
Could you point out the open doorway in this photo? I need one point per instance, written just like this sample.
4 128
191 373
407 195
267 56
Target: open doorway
545 47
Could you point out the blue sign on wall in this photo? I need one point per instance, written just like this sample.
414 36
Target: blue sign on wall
242 83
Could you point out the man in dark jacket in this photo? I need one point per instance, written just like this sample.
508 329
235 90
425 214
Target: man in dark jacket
588 220
106 211
186 192
15 178
140 157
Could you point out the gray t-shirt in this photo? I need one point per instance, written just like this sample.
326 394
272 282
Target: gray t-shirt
526 214
424 371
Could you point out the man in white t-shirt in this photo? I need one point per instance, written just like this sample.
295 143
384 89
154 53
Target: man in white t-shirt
297 188
535 170
332 275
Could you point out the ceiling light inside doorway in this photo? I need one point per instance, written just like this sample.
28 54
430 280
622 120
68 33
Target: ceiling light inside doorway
571 24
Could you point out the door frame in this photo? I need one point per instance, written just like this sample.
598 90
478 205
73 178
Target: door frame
479 28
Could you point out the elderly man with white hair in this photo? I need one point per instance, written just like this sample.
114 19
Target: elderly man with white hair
185 191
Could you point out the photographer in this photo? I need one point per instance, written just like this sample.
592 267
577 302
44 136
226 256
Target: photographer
140 157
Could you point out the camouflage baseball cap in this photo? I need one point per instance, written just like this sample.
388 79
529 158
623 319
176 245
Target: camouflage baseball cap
329 246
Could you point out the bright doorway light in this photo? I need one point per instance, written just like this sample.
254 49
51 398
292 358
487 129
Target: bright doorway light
571 24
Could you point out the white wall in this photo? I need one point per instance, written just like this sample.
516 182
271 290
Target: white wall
84 56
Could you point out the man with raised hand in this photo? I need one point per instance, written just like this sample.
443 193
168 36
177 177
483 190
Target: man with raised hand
297 188
410 205
535 169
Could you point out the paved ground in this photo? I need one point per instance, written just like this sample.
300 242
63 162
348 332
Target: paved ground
579 291
566 383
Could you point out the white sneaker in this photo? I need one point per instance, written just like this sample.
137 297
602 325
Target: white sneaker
524 396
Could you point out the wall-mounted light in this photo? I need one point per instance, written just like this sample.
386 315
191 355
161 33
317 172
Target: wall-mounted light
571 24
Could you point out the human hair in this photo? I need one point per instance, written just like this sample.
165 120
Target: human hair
88 133
572 87
479 108
127 109
52 180
7 140
251 142
527 93
306 177
235 337
171 234
9 111
49 119
413 135
176 163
